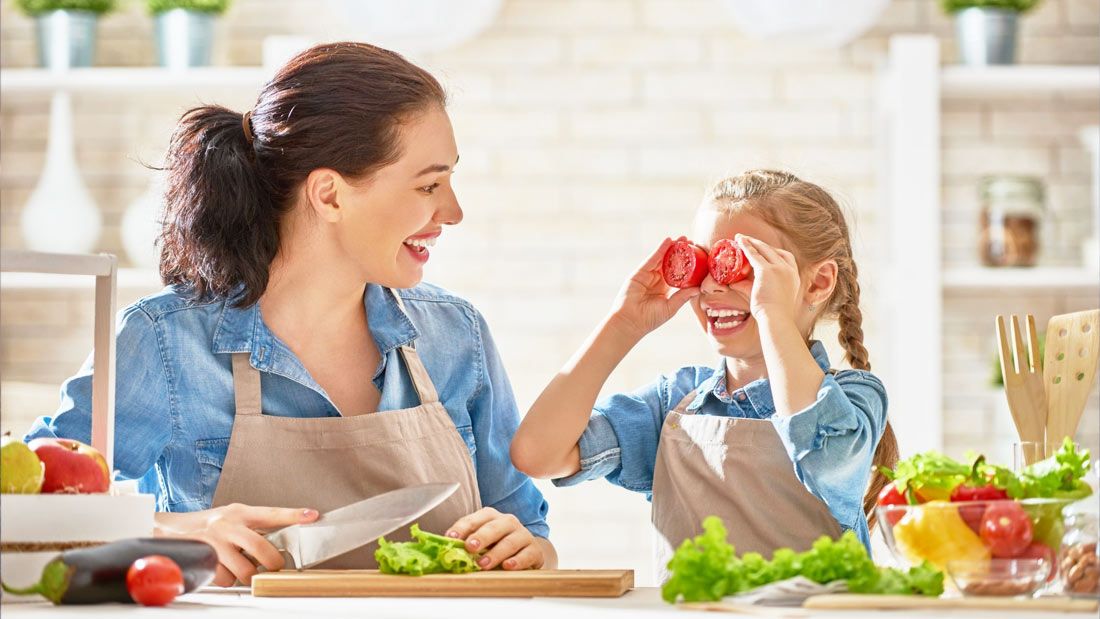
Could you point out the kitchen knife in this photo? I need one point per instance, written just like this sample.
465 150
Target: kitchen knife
346 528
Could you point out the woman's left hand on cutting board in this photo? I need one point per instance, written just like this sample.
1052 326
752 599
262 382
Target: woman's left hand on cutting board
501 537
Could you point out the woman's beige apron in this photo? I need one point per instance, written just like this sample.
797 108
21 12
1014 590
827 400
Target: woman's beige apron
329 462
736 469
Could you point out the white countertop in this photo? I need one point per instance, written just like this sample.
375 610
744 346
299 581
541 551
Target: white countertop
238 603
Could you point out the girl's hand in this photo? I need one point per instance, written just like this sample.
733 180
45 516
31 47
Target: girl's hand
231 529
504 537
645 301
776 283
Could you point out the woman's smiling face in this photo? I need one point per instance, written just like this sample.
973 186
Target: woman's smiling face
723 311
393 217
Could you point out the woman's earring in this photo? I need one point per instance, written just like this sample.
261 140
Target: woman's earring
812 307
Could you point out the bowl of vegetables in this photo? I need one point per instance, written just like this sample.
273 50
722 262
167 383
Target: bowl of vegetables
979 514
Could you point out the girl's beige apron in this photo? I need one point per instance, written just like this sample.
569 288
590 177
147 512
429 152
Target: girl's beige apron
328 462
736 469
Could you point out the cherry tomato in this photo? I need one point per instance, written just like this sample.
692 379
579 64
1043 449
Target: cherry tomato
1006 529
684 265
1039 550
155 580
728 264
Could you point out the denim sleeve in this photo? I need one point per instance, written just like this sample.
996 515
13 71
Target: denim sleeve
633 419
143 402
495 418
832 442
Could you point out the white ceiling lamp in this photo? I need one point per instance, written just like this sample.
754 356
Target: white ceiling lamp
418 26
809 23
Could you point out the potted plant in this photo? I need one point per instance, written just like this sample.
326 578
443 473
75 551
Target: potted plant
185 30
65 30
986 29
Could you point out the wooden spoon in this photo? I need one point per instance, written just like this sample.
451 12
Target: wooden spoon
1072 346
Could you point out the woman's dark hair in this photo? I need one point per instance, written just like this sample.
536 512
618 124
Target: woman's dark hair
231 177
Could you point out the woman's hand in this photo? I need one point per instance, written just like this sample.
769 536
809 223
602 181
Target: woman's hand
644 302
503 539
776 283
232 529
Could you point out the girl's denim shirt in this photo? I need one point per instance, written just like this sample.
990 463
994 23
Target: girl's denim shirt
831 443
174 395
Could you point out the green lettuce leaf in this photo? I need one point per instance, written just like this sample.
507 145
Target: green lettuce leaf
428 553
706 568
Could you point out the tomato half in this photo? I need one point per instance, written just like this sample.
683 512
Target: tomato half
728 264
1006 529
684 265
155 580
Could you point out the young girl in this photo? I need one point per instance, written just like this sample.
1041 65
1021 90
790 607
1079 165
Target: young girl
772 440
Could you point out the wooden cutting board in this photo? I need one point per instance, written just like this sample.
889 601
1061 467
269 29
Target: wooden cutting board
851 601
371 583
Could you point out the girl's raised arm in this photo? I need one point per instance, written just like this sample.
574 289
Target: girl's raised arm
545 445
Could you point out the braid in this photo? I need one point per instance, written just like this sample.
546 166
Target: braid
851 324
851 338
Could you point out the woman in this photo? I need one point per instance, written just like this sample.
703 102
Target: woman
293 246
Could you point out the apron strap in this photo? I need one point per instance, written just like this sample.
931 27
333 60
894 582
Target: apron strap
682 407
246 385
421 381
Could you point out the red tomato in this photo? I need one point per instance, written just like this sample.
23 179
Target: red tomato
155 580
728 264
891 496
1039 550
1006 529
972 514
684 265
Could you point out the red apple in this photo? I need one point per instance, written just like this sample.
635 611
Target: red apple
71 466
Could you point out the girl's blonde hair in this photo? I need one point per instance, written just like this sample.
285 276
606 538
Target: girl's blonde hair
814 225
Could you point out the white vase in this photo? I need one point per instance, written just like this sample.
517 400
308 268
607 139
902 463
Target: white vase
141 224
61 215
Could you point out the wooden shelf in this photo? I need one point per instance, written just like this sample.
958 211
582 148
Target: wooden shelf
128 279
1019 81
110 80
1069 279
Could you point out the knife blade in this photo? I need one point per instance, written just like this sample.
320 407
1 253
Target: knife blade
346 528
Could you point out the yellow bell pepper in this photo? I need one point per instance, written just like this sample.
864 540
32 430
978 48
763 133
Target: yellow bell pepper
935 532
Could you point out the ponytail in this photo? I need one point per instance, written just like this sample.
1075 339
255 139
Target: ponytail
222 224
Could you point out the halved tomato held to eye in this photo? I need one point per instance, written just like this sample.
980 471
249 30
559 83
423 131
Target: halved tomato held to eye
728 264
684 265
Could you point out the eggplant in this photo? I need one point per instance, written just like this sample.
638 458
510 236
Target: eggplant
97 575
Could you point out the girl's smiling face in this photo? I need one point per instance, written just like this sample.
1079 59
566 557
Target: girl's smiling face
723 311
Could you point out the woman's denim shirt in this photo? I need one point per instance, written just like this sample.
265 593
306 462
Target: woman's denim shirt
831 443
174 396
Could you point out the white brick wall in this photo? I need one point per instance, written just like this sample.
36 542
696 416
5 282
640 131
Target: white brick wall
588 129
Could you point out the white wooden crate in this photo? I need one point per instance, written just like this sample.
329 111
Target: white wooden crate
34 527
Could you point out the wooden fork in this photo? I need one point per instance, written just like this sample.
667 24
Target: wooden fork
1023 378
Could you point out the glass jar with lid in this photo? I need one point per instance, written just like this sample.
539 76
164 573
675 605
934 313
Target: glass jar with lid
1079 559
1011 220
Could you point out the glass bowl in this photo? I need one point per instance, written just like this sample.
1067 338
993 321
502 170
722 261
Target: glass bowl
1000 577
942 531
